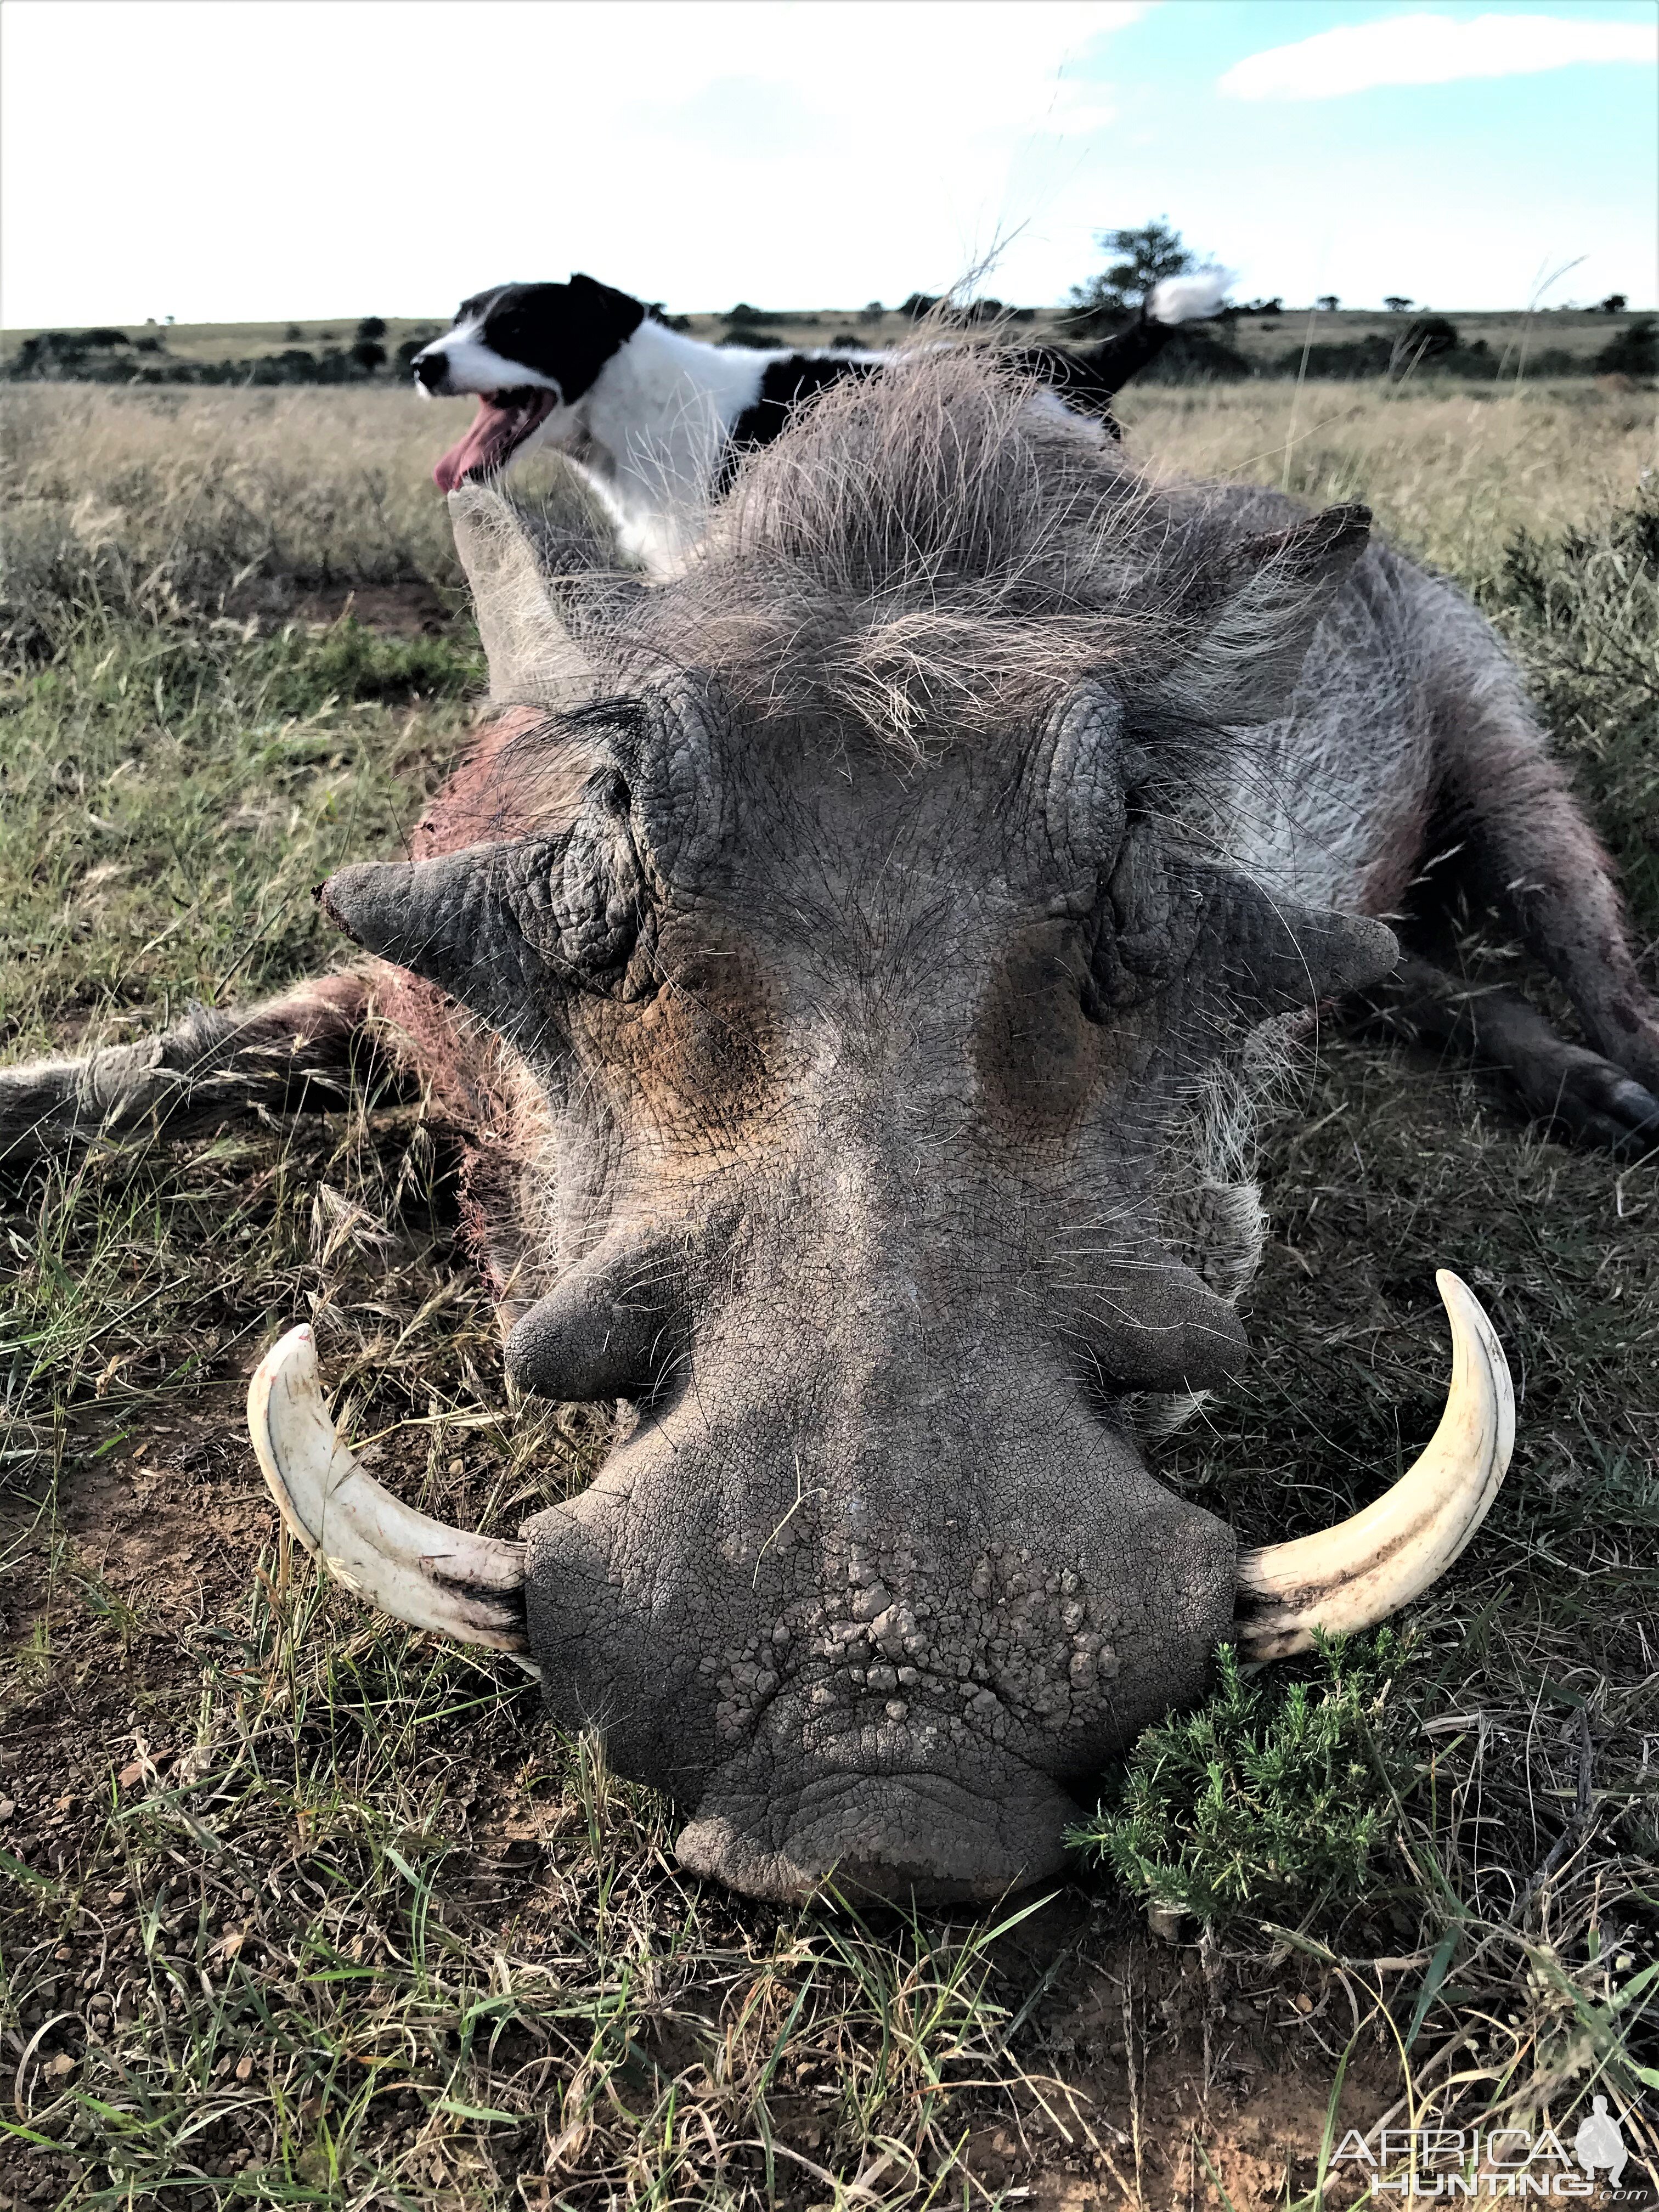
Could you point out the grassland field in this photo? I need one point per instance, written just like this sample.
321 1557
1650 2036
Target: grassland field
302 1908
1512 334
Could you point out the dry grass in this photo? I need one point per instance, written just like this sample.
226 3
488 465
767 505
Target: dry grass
1451 470
304 1910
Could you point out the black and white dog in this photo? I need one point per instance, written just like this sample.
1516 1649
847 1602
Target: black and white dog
658 421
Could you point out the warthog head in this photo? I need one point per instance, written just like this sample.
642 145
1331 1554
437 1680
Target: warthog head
847 1016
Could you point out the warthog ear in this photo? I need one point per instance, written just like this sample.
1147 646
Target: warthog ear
521 569
1276 956
1264 954
1272 593
505 927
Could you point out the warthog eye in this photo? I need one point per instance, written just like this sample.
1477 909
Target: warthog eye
580 901
1147 924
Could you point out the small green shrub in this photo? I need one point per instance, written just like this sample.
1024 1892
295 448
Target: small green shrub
1272 1801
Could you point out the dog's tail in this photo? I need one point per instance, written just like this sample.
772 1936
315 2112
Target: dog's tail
1188 299
1172 300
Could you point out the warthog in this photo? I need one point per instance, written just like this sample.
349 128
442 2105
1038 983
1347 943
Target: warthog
850 964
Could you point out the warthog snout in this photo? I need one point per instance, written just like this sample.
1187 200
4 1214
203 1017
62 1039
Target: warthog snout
869 1583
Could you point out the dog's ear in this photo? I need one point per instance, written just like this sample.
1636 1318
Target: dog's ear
617 313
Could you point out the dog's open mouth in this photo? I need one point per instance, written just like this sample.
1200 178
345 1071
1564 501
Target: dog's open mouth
503 422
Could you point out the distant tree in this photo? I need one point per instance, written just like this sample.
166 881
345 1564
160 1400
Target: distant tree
369 329
1614 304
1329 302
1144 257
1396 303
871 311
293 334
369 355
918 305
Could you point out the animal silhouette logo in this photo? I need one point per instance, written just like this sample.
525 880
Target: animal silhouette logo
1600 2141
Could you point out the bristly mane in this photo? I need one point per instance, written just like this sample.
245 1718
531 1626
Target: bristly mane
934 555
940 551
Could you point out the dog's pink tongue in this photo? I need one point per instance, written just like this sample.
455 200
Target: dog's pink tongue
491 431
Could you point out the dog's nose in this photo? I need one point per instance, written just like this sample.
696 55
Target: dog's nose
430 369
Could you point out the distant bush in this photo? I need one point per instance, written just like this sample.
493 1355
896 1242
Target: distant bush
50 355
369 329
1428 337
416 342
368 354
1145 257
1634 352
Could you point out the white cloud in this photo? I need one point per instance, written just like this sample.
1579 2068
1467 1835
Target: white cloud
1433 50
245 159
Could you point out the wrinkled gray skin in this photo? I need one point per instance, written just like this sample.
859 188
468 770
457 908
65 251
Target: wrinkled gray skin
842 962
851 1197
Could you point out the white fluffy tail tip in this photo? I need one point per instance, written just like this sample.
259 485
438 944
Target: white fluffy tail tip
471 1588
1189 299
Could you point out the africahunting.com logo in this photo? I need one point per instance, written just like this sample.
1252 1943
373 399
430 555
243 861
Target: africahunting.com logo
1453 2162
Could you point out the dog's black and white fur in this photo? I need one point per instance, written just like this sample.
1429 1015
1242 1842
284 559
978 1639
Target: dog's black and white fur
658 421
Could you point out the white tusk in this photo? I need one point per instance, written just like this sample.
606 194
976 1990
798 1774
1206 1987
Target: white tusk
1358 1573
469 1587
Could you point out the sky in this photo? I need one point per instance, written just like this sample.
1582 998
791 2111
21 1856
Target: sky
258 160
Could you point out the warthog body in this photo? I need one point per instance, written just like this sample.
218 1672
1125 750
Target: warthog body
849 963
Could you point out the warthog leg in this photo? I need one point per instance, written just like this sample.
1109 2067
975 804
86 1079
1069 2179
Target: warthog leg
1528 848
299 1050
1564 1084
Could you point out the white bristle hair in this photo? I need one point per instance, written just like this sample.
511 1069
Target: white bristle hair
1188 299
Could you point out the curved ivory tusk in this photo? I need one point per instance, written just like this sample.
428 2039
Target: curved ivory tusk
1358 1573
469 1587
